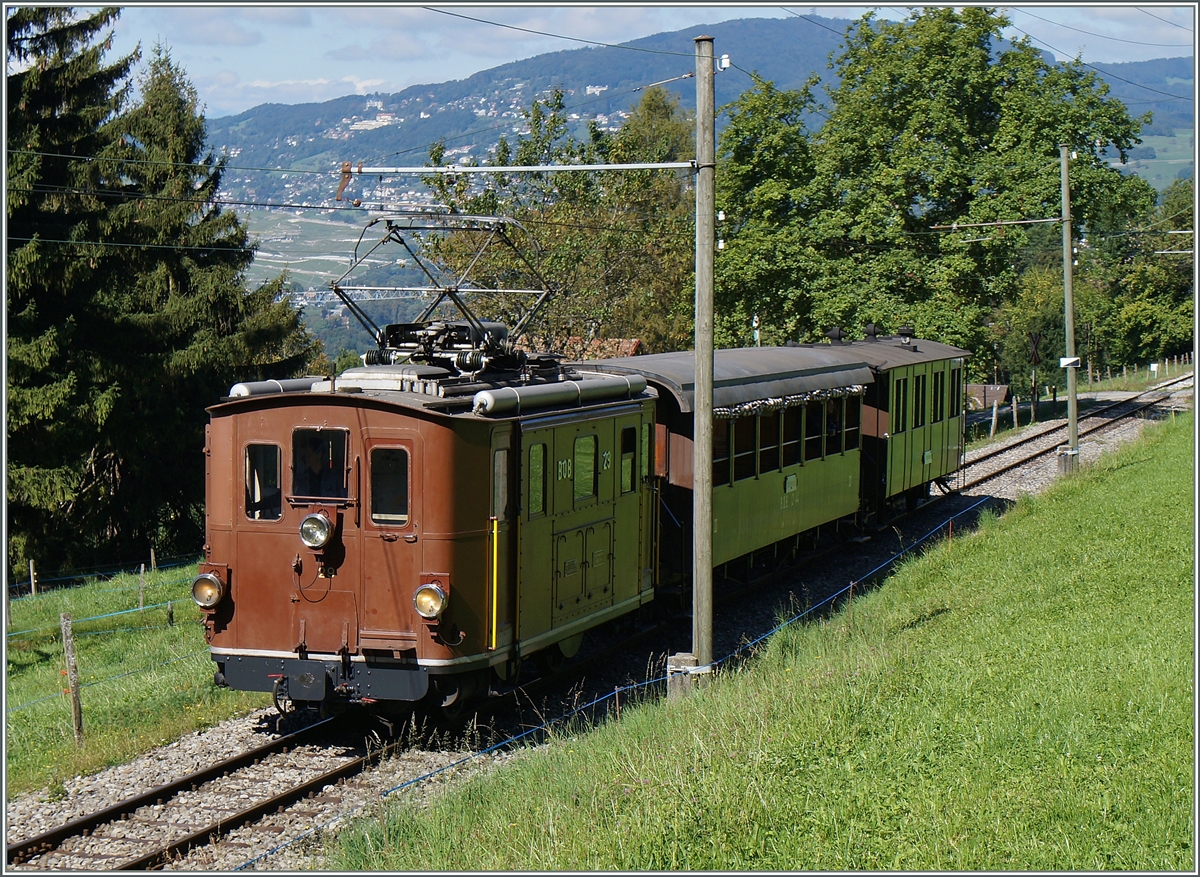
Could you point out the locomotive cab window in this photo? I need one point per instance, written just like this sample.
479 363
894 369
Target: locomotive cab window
585 467
500 483
537 480
628 455
389 486
745 451
955 392
319 463
264 497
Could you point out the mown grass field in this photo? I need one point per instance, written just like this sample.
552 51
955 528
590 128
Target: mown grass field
1021 698
144 682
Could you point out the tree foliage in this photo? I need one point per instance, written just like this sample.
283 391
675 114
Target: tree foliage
127 306
614 246
927 126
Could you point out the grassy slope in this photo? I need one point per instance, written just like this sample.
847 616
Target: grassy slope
144 682
1021 698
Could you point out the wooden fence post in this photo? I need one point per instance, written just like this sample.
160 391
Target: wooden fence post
153 560
72 677
170 613
995 415
1016 421
32 579
142 586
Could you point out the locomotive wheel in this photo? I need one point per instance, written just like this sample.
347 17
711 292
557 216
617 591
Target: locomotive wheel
551 659
282 704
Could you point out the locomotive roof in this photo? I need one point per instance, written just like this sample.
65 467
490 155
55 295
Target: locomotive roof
745 374
888 352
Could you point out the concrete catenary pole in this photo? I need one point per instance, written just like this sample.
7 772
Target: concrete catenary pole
1069 461
702 554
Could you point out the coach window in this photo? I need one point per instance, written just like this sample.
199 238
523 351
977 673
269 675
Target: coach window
833 427
768 442
585 467
939 397
918 418
793 418
537 479
814 430
720 432
389 486
853 418
264 499
955 392
319 463
628 455
500 483
744 450
900 407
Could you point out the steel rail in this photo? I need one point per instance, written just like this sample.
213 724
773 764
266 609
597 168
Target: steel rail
21 851
1008 467
1094 412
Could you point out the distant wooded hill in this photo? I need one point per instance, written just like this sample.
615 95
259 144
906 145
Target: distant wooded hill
469 115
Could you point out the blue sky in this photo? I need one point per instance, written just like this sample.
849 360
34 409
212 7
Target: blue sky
238 56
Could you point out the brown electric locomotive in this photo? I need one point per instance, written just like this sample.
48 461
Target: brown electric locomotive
415 528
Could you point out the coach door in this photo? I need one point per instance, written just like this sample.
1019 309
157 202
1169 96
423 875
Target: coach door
391 513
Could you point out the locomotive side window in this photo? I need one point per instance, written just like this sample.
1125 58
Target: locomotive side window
264 498
900 407
955 392
814 430
853 418
628 452
918 418
585 466
792 421
720 433
939 397
500 483
389 486
768 442
833 427
645 450
744 450
537 480
319 462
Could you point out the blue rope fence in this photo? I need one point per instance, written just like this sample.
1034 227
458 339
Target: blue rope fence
617 692
30 703
109 614
83 576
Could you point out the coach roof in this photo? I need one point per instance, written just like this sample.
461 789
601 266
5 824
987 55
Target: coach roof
746 374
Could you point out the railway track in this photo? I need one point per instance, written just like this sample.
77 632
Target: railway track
155 829
994 462
150 830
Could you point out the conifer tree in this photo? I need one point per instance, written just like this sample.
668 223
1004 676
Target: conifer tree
125 332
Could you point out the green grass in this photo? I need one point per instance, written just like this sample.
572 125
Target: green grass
1020 698
144 682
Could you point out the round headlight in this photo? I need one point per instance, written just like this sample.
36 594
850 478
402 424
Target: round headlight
430 601
315 530
207 590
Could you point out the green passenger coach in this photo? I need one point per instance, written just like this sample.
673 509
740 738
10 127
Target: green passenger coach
786 444
914 422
